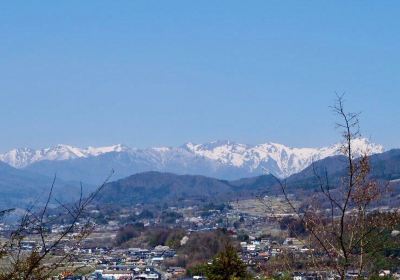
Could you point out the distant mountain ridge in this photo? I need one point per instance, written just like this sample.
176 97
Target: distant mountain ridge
19 188
161 187
221 159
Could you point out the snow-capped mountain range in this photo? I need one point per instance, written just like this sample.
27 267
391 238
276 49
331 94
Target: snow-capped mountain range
287 160
223 159
22 157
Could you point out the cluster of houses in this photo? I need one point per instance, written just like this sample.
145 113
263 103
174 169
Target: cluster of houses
129 264
259 251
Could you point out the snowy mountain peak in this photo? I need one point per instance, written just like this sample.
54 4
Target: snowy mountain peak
364 146
95 151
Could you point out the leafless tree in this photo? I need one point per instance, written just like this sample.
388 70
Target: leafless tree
345 233
42 261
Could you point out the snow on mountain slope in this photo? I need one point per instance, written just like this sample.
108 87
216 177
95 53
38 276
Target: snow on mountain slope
265 156
23 157
219 158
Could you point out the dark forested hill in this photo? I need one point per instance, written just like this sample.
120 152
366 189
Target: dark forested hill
155 187
384 166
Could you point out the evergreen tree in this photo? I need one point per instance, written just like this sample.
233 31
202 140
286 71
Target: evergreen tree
227 266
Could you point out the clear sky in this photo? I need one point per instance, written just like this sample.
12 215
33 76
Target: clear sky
151 73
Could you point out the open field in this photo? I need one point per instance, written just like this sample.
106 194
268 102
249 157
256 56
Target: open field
274 206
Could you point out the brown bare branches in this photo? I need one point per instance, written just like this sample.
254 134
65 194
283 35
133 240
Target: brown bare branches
343 232
41 263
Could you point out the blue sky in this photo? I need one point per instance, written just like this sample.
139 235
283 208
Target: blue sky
150 73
